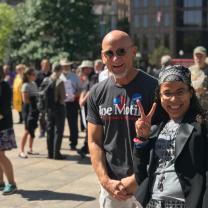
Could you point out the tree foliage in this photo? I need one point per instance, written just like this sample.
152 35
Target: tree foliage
123 24
7 19
155 56
48 28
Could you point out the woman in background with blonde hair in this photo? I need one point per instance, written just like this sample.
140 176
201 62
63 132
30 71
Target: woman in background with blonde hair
17 85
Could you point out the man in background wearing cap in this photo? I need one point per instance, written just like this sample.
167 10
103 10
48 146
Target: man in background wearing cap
91 78
166 60
55 113
199 73
72 87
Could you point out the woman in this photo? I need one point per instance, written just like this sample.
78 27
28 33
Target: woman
7 137
171 157
30 112
17 85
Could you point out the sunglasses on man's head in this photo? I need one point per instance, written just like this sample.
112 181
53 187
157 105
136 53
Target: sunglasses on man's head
118 52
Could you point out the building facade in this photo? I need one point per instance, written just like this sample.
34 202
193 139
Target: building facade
179 25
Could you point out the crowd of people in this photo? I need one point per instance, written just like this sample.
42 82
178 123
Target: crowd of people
146 135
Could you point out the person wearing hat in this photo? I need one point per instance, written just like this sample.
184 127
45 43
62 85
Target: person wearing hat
166 60
72 88
55 112
171 157
91 79
199 73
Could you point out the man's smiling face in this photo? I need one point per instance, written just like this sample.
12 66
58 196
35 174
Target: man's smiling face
118 55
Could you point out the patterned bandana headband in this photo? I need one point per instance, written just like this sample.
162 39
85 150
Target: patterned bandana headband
175 73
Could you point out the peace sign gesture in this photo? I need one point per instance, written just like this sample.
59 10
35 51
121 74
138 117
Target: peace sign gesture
143 124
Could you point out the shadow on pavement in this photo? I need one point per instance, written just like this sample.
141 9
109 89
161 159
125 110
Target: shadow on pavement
78 158
36 195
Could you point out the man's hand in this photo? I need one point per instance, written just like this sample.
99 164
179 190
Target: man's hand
130 184
1 116
116 189
143 124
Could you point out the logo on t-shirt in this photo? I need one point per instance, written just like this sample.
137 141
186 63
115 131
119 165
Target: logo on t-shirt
122 108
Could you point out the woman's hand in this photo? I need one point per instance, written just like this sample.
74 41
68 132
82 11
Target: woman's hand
143 124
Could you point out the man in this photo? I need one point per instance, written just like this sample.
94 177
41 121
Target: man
41 75
72 89
55 112
91 78
199 73
112 112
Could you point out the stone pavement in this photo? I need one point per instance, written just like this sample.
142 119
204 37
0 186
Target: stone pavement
46 183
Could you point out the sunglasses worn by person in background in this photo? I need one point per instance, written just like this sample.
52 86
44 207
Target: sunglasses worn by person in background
119 52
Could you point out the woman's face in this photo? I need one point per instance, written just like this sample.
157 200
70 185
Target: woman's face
175 98
32 76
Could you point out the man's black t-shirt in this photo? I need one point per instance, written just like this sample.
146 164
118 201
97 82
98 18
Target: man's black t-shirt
114 107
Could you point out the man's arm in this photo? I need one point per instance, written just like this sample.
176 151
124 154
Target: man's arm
95 142
83 98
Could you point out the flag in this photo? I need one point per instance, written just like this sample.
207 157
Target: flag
159 16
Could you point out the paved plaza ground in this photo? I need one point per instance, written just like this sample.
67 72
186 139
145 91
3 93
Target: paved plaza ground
46 183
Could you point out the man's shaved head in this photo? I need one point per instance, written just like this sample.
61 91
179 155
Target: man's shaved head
115 36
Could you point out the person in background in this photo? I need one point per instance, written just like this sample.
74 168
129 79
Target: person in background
17 95
199 75
7 137
72 88
98 68
30 112
45 71
112 112
166 60
91 79
103 74
171 157
55 114
9 75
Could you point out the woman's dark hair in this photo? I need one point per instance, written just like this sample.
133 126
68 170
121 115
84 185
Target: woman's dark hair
194 110
26 73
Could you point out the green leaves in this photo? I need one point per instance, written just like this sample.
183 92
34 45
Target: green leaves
7 18
47 28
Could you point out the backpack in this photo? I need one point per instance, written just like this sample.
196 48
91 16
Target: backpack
46 97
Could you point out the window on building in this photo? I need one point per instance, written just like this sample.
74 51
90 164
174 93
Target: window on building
145 20
157 41
157 2
188 42
166 2
192 18
167 40
145 3
193 3
145 42
167 20
137 20
137 3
